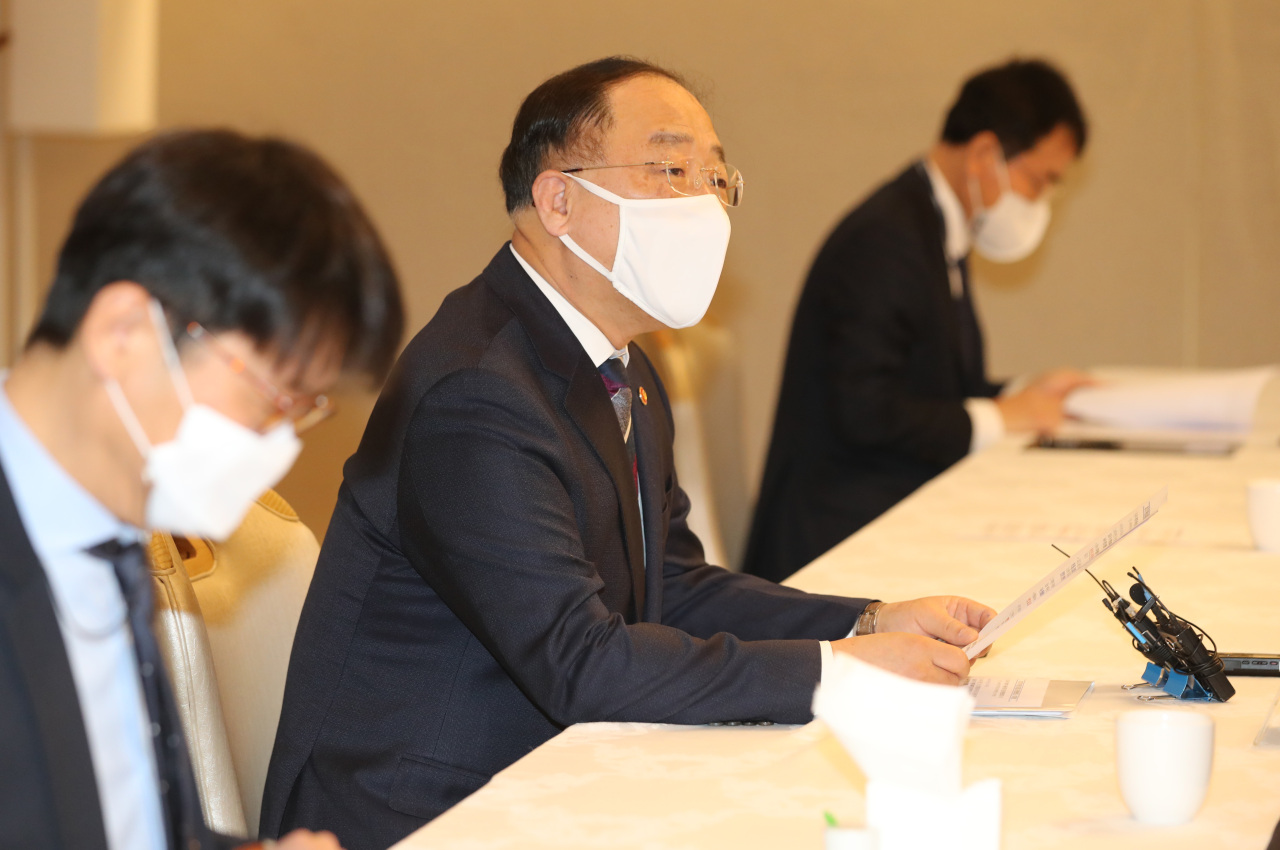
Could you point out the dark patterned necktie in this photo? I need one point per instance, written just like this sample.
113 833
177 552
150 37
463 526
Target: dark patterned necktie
971 354
130 564
614 375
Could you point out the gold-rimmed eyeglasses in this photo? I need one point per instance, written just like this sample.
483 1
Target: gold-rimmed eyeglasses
688 177
304 412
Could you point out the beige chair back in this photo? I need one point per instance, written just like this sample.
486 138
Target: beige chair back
184 643
226 617
697 369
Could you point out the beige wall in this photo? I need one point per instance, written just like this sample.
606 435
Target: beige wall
1163 248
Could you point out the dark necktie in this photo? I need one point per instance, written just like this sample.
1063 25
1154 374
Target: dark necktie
172 761
614 375
971 355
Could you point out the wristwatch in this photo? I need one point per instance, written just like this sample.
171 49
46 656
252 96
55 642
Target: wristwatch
868 620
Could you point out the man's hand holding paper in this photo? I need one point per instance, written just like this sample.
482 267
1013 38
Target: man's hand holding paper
921 638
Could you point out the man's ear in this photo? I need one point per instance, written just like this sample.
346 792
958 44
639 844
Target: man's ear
551 201
117 329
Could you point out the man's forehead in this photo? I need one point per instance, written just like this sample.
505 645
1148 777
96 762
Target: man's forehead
656 113
666 139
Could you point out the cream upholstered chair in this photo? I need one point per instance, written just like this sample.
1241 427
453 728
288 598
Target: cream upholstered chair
226 614
184 644
697 370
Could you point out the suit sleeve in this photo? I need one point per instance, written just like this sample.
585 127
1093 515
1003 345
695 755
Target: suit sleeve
487 518
874 303
703 599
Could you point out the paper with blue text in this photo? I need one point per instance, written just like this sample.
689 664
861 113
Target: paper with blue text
1059 576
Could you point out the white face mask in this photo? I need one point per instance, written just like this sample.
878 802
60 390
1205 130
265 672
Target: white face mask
206 478
669 256
1013 228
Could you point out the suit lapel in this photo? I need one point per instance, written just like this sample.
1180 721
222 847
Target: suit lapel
585 401
931 222
588 405
32 631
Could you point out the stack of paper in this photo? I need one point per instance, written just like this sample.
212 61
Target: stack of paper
1221 400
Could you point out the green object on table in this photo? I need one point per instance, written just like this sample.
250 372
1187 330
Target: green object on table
831 819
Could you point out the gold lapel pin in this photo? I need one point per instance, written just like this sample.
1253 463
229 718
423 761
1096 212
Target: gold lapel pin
644 396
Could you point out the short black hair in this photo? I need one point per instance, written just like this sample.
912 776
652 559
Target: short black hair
256 235
557 117
1021 101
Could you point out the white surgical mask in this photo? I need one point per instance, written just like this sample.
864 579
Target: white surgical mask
1011 229
206 478
669 256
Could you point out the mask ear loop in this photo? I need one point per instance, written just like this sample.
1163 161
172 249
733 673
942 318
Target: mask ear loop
170 352
975 189
128 418
581 252
975 198
1003 172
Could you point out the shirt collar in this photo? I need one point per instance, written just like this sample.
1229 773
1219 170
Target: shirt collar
957 241
58 514
592 339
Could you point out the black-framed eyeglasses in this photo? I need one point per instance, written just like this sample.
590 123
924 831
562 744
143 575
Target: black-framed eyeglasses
303 412
689 177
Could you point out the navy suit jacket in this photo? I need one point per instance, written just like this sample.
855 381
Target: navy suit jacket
486 581
48 792
881 359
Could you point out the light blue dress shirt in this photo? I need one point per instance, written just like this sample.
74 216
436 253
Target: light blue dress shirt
62 520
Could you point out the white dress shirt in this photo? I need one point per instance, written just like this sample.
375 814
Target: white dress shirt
62 520
599 349
988 424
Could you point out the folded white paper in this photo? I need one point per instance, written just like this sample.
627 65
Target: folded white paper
908 738
897 729
1222 400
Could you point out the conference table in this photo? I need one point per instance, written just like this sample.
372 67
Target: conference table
983 529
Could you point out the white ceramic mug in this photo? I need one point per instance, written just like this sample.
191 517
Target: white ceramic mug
1264 513
1164 759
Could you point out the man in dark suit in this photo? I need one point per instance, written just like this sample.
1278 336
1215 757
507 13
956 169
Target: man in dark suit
885 383
510 553
212 286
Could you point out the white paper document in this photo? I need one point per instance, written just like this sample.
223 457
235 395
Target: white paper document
1214 400
996 696
1059 576
995 692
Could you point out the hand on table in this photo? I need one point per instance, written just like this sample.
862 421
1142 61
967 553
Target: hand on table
1038 407
1061 382
921 638
303 839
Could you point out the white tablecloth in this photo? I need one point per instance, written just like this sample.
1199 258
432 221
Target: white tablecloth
983 530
